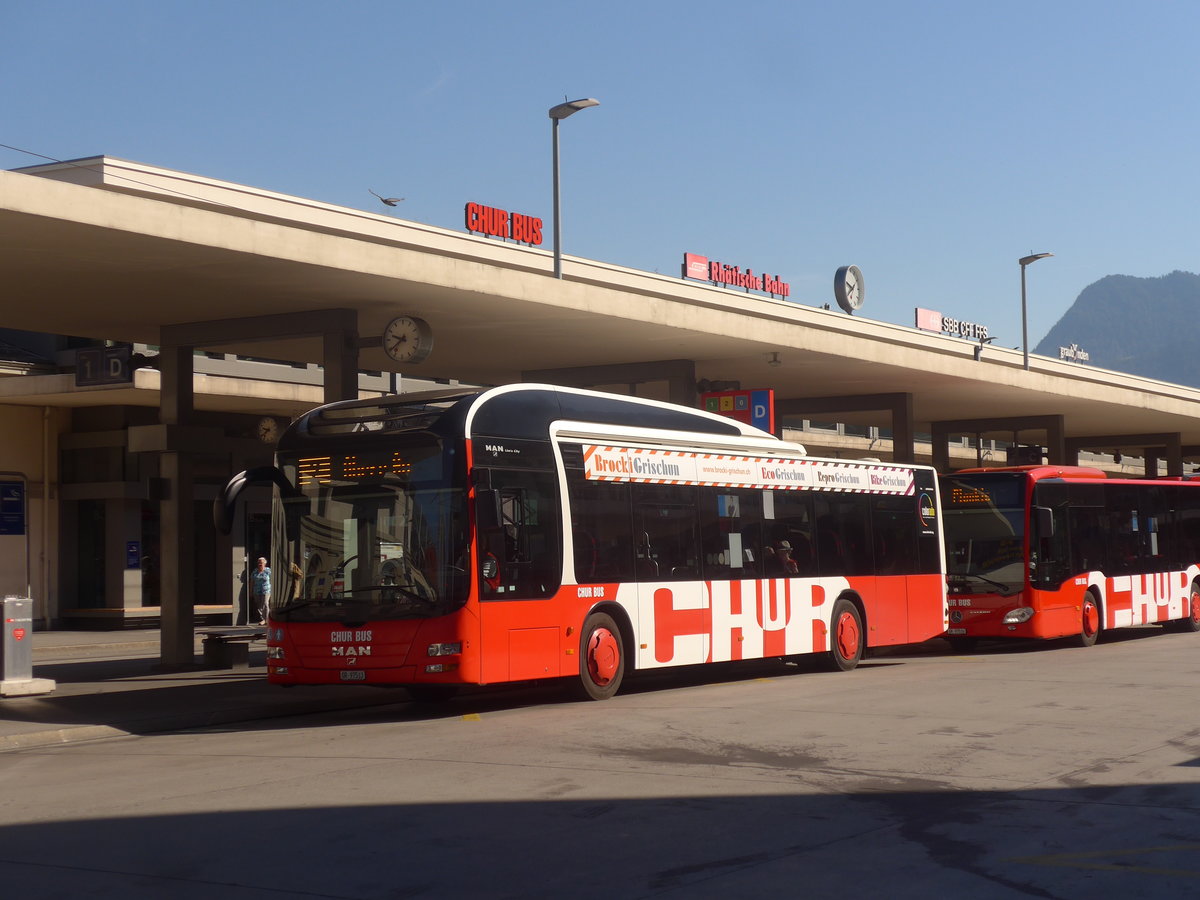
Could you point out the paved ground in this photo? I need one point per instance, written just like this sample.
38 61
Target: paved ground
1020 771
108 683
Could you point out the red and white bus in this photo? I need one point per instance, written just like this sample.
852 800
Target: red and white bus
1058 551
530 531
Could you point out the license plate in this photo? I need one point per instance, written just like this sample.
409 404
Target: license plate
949 631
353 674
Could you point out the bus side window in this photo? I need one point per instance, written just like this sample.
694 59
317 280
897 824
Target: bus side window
894 539
788 520
729 529
665 522
842 534
602 528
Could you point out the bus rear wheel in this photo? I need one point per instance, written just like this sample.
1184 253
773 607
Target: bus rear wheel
1190 622
601 658
1089 629
847 639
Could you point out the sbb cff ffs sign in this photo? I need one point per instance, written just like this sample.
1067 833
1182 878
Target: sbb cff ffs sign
755 408
501 223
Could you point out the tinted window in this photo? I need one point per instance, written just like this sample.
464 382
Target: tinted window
602 529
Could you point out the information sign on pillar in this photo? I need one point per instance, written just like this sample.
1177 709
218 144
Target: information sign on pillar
754 407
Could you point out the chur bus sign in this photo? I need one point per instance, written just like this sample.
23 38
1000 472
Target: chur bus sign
501 223
701 268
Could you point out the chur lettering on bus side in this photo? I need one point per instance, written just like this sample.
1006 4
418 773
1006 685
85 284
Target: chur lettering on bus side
731 620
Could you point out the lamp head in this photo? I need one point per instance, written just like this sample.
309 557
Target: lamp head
1026 260
571 107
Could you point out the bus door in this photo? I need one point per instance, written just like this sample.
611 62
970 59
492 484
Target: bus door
520 569
674 614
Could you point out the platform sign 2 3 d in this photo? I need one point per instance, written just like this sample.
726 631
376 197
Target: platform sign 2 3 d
755 408
12 507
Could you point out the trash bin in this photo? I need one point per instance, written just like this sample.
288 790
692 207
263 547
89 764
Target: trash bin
16 651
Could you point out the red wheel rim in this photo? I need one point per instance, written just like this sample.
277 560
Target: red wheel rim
847 635
603 656
1091 618
1196 606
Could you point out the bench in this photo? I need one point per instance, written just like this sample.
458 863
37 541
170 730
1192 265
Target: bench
228 647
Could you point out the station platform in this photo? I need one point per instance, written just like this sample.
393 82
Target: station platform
110 684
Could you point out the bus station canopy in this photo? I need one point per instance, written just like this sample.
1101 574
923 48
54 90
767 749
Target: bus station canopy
109 249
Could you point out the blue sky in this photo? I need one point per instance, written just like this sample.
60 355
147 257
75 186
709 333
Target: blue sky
929 143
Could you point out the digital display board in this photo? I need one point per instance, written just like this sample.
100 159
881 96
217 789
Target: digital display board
352 467
1005 491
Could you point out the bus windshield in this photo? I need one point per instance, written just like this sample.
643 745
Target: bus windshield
372 534
985 529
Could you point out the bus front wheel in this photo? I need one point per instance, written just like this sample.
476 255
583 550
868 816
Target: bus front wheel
1089 629
847 639
601 658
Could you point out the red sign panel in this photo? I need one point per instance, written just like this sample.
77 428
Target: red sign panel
695 266
501 223
929 320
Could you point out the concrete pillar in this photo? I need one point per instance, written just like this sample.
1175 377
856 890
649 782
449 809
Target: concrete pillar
177 641
904 436
341 364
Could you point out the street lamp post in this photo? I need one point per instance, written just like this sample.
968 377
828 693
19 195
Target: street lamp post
557 114
1024 261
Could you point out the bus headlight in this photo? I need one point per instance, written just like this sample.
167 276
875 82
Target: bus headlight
445 649
274 653
1022 614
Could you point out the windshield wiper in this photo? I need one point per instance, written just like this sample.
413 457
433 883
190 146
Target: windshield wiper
405 589
300 604
1004 589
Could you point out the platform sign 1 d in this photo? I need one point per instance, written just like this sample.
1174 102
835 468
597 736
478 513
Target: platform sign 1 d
102 365
755 408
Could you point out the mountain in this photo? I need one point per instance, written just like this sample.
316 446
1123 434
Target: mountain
1142 326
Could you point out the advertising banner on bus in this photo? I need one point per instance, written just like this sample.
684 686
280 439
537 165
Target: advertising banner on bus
680 467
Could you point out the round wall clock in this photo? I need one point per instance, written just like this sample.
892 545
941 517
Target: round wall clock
849 289
408 339
268 430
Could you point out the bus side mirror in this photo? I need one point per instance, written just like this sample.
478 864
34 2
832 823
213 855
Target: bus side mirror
1043 516
226 502
487 509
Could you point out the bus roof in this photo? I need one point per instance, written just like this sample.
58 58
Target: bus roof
1037 473
519 411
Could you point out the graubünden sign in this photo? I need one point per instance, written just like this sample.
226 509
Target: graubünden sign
701 268
501 223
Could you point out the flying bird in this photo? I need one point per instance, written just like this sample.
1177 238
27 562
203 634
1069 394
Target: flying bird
388 201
